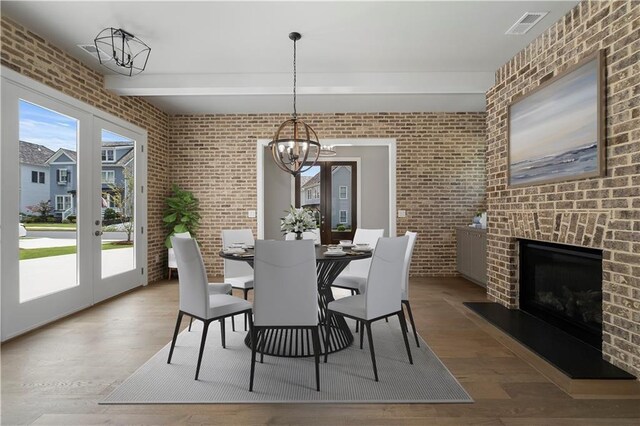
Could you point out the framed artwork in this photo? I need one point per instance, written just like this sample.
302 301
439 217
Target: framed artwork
556 132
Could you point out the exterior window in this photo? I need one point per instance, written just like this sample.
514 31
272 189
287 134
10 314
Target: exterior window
309 194
107 201
343 216
63 202
108 155
63 176
37 177
343 193
108 176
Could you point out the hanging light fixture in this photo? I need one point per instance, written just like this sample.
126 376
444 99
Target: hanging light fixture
121 52
327 151
295 145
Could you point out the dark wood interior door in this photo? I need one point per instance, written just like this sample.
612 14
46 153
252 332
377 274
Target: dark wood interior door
330 189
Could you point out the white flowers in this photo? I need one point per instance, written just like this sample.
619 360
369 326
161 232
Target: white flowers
297 220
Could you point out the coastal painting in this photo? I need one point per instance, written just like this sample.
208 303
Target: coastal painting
555 132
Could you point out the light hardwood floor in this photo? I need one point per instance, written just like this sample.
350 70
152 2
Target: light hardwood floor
59 373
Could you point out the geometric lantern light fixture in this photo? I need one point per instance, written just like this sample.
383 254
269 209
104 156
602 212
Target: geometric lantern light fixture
129 54
295 147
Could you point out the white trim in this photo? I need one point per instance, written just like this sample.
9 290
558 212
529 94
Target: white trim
390 143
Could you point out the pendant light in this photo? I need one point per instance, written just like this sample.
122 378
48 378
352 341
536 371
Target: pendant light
295 147
121 52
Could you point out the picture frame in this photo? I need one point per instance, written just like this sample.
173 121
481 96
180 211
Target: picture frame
556 132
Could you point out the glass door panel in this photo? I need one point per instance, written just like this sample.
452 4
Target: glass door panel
117 203
342 201
48 147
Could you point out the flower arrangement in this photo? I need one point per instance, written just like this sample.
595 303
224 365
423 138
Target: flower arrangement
297 221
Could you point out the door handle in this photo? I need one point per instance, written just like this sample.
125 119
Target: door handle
98 233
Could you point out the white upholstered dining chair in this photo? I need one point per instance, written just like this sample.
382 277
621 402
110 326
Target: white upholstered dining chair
195 298
285 294
238 274
382 297
355 274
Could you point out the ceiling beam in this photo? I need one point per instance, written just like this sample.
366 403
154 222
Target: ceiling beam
308 84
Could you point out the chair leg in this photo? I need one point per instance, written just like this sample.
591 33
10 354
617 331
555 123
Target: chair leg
403 325
222 333
190 322
175 336
263 342
205 328
233 323
246 291
413 324
327 329
373 354
169 274
316 353
254 344
356 292
361 334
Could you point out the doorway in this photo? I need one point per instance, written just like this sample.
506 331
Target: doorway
329 189
76 167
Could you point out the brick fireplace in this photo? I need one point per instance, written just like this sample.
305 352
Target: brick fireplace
599 213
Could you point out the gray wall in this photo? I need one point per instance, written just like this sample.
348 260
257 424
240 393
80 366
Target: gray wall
277 197
374 172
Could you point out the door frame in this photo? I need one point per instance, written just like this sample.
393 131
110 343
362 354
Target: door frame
325 194
11 79
390 143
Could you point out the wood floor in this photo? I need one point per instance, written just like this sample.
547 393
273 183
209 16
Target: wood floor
58 374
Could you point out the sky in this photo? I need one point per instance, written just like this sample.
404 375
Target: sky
558 118
51 129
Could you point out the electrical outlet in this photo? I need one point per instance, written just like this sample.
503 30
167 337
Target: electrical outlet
251 213
157 258
402 213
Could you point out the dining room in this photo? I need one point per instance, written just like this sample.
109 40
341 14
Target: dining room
318 212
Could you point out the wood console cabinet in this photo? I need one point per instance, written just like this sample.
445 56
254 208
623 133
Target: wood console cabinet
472 254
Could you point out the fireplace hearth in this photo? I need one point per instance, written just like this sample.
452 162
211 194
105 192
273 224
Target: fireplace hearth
562 285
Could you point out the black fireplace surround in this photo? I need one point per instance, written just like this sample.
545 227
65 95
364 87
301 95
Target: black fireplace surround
562 285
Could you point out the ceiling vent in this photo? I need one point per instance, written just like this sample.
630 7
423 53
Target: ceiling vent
525 23
93 51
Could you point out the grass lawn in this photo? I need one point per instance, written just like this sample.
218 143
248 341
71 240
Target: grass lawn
59 251
50 226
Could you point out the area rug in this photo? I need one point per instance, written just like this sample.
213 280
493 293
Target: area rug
346 378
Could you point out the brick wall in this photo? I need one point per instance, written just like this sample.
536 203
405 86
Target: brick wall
440 172
29 54
601 212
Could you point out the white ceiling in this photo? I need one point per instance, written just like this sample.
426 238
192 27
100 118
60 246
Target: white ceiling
235 57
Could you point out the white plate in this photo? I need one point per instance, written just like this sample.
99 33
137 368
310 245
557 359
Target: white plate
363 249
235 250
335 253
346 245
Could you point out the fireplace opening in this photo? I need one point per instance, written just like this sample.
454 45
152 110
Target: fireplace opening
562 285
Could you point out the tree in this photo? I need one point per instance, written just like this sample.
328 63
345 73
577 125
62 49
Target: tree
123 199
43 208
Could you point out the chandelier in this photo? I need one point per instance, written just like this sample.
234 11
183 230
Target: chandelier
327 151
295 147
129 54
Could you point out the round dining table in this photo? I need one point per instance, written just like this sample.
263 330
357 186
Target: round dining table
297 342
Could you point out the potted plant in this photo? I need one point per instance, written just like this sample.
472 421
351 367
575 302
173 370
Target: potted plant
181 215
297 221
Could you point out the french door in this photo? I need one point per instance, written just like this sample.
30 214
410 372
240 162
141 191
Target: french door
57 254
330 190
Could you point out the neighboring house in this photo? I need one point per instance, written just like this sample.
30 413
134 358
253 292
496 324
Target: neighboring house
116 157
117 164
34 175
64 177
310 191
341 196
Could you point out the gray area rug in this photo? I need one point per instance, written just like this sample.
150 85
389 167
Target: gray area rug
346 378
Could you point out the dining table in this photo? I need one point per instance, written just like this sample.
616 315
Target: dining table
297 342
